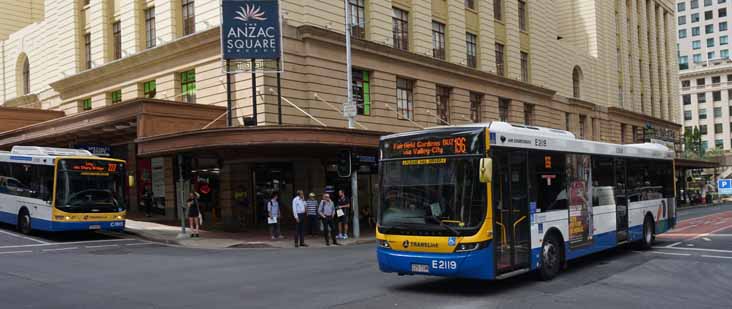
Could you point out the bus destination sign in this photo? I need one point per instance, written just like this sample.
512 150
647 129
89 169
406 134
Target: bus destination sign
433 146
90 166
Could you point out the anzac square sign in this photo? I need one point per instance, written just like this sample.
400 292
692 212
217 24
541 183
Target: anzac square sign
250 29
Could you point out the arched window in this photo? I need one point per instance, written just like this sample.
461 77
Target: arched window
22 75
26 77
576 81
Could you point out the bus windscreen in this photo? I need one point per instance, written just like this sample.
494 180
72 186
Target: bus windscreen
90 186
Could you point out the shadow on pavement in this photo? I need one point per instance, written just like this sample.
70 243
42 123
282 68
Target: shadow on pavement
577 269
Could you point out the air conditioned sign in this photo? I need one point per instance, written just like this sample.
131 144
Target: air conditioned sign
250 29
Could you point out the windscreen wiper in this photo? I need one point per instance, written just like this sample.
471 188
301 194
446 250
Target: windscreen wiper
442 224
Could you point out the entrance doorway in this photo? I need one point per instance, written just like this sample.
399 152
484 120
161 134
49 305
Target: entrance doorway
511 210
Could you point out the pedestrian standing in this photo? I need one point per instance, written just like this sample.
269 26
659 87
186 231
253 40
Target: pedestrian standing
326 210
241 200
194 214
298 210
147 200
273 216
311 208
343 212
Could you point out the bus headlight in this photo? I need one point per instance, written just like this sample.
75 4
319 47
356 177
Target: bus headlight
120 217
383 243
67 218
468 247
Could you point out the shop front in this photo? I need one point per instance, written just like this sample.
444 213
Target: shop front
237 170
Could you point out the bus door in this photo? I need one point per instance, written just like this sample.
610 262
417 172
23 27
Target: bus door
511 210
621 201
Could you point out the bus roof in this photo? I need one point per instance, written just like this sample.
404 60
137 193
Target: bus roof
42 155
504 134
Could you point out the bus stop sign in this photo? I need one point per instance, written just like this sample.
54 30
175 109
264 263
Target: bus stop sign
724 186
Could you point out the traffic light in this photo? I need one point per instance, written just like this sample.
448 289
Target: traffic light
344 163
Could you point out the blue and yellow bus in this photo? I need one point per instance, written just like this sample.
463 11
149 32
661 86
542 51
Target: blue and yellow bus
56 189
491 201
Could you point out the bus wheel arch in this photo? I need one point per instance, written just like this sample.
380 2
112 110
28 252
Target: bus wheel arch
552 254
24 221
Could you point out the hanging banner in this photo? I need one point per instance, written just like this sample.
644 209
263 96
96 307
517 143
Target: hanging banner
250 29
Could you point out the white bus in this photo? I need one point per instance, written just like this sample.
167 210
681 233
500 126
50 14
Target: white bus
55 189
494 200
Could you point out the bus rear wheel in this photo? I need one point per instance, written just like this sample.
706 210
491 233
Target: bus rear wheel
551 258
648 231
24 222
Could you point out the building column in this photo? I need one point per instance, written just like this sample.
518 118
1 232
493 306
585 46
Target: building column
378 22
486 37
166 20
644 74
634 56
655 60
670 66
133 26
420 28
513 41
101 32
456 46
627 101
664 110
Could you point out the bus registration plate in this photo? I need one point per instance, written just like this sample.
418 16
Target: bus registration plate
420 268
95 227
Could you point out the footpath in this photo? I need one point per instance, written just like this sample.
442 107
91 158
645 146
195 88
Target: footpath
210 239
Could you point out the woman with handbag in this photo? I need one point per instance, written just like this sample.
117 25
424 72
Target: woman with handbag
194 214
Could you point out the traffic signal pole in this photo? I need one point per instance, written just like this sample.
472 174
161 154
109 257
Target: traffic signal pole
350 115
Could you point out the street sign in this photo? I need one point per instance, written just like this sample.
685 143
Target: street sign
350 110
724 186
250 29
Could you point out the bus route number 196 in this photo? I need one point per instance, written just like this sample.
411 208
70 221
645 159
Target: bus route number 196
443 264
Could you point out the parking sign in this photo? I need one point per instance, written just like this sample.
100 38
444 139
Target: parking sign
724 186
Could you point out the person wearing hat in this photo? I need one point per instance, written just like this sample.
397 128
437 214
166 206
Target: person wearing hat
194 214
311 209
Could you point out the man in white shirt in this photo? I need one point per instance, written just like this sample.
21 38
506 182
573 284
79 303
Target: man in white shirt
298 210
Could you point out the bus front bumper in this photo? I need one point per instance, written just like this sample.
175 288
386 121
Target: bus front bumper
476 264
82 226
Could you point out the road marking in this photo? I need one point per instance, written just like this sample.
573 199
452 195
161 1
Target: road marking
66 243
60 249
15 252
696 249
717 256
706 239
689 245
673 244
141 244
712 232
670 253
23 237
694 235
100 246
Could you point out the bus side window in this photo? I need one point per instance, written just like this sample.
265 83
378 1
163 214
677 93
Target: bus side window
549 177
603 181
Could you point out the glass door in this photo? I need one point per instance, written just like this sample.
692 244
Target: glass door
511 210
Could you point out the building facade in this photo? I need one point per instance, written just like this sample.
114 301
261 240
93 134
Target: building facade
705 70
144 77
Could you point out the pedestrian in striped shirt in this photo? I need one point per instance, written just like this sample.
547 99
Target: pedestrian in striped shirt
311 209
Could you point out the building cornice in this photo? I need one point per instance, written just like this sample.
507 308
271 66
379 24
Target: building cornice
621 112
334 38
145 58
718 69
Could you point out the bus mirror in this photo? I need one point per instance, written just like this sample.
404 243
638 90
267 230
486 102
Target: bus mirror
486 170
131 181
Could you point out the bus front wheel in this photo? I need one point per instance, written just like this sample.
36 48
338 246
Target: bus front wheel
24 222
551 258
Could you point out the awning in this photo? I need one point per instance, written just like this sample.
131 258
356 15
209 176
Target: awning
261 141
121 123
694 164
